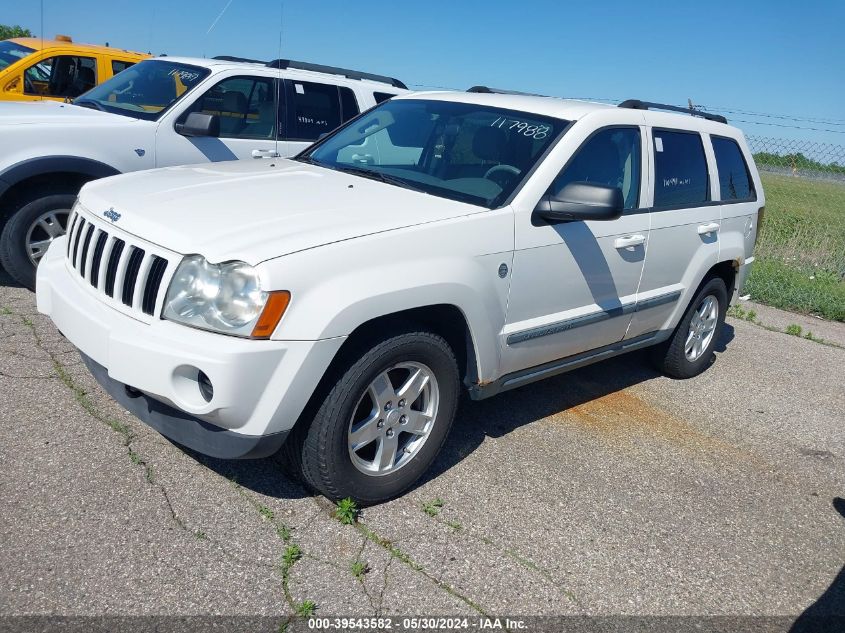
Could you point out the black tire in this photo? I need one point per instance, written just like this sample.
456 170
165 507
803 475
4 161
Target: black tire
13 248
319 447
670 357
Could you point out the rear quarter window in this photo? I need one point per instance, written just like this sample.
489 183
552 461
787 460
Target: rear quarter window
734 180
680 169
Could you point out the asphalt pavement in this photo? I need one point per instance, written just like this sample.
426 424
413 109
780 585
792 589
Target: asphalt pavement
610 490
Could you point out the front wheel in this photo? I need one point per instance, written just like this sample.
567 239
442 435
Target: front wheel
383 421
689 351
30 231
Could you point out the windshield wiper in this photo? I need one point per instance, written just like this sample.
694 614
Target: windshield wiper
378 175
309 161
89 103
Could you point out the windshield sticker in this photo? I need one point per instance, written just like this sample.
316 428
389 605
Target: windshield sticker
522 127
299 89
185 75
658 144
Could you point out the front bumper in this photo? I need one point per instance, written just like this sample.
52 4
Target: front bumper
183 428
260 387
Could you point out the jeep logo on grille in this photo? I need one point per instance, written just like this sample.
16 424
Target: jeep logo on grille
112 215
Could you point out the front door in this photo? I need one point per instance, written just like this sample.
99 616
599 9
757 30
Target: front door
248 109
574 285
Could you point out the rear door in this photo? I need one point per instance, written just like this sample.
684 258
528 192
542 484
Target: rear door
685 224
314 109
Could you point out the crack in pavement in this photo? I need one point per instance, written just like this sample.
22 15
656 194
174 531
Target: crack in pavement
124 430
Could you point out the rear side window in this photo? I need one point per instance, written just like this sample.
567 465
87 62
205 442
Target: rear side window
118 66
734 181
680 166
316 109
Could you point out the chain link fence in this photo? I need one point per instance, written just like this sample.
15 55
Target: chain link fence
803 159
801 248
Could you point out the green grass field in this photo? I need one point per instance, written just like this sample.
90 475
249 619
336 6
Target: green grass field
800 263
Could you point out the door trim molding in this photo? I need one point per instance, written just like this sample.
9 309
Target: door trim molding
591 318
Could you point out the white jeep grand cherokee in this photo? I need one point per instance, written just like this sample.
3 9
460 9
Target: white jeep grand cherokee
335 304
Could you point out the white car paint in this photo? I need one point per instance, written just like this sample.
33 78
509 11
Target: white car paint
351 250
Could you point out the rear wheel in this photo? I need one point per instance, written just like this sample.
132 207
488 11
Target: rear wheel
30 231
382 422
689 351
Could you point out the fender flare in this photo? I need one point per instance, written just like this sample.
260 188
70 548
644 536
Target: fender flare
53 164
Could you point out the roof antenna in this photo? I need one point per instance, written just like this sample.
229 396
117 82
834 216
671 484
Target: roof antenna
280 84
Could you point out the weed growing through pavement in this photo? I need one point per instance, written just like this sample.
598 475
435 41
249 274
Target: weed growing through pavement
793 330
266 512
359 568
306 608
346 511
432 508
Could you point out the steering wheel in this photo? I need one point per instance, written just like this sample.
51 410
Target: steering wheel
504 170
510 169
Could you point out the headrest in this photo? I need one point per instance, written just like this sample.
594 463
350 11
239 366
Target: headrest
86 75
234 101
489 143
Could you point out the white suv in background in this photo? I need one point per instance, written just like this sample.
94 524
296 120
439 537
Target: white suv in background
160 112
335 304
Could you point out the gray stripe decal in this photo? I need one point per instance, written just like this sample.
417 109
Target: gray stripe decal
659 300
590 319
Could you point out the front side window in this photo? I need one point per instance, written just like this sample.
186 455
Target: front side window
246 106
317 109
61 76
11 53
680 166
461 151
609 157
734 181
146 90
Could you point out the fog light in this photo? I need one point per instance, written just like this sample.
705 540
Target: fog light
206 388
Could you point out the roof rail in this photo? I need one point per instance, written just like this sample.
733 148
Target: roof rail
636 104
498 91
230 58
334 70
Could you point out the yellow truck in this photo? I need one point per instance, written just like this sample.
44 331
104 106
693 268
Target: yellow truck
32 69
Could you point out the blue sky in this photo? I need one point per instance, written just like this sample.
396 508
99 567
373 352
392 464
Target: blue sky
774 57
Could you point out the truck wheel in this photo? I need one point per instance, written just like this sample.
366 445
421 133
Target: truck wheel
383 420
690 349
29 232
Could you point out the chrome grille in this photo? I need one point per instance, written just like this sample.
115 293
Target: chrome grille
129 274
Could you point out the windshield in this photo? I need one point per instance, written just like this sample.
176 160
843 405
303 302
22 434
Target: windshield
461 151
11 53
145 90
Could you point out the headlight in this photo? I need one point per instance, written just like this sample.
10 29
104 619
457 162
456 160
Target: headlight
224 298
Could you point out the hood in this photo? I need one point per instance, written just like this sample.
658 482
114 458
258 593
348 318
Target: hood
55 113
257 210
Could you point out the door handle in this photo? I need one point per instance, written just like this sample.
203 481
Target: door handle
629 241
704 229
265 153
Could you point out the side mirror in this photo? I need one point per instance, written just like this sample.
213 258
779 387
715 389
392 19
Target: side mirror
13 86
199 124
582 201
